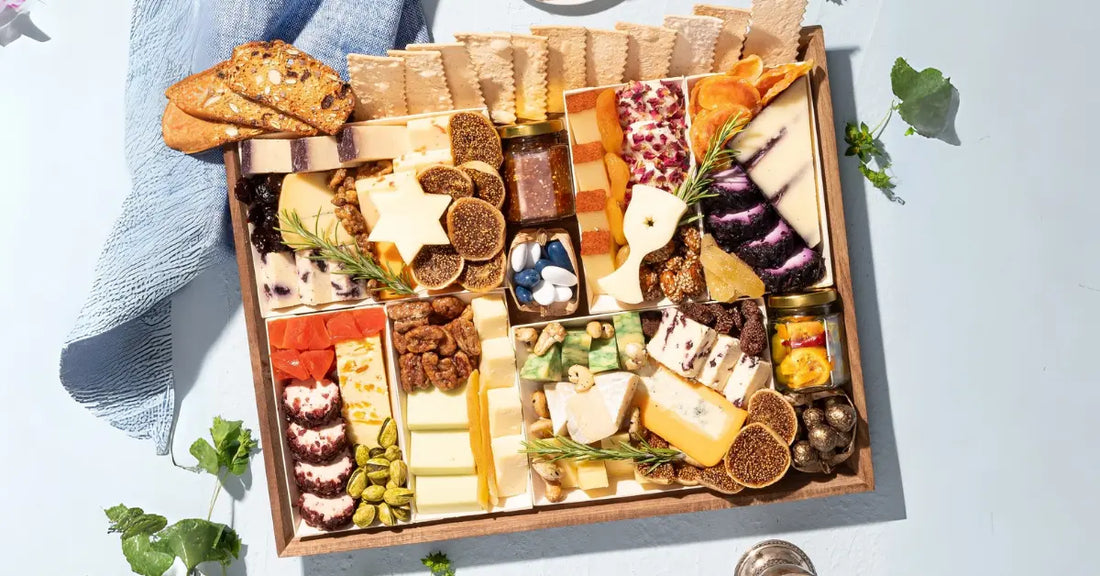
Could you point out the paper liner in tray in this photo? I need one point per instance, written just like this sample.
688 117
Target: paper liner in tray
533 310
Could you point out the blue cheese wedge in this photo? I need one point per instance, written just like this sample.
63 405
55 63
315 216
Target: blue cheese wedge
681 344
777 150
598 412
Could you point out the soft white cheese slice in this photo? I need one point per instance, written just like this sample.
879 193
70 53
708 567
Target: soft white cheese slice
721 362
314 278
276 279
681 344
596 413
557 394
749 375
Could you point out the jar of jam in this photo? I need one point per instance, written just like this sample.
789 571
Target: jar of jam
807 341
537 172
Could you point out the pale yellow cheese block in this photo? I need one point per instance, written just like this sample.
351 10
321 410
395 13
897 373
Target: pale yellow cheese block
511 465
498 363
618 469
440 453
436 409
505 412
490 316
308 195
361 369
446 494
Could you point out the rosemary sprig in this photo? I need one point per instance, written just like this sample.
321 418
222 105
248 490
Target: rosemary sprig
696 187
563 448
355 263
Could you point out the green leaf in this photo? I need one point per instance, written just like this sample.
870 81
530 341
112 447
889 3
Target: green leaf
925 97
438 564
910 131
133 521
196 541
238 462
206 455
145 557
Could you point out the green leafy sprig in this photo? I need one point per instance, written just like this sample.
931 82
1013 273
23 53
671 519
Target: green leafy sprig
564 448
696 187
353 262
439 564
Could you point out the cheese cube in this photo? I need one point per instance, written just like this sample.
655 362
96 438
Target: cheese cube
596 413
749 375
681 344
510 464
719 365
366 143
433 133
446 494
265 156
276 279
691 417
314 278
618 469
591 475
498 363
505 412
591 175
557 394
568 473
490 317
596 266
417 161
437 409
440 453
363 388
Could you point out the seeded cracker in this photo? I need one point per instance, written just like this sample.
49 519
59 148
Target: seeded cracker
473 137
379 86
425 83
735 24
190 135
773 34
291 81
206 95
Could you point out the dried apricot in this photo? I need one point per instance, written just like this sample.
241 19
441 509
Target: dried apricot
708 122
748 68
775 80
615 221
723 90
618 175
607 121
693 101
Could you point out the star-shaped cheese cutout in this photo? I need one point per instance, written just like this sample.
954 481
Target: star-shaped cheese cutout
409 218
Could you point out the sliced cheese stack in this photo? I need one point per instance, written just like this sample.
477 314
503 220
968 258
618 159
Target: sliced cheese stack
364 387
441 456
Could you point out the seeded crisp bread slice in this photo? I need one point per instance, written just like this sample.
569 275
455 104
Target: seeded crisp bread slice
492 58
379 86
281 76
189 135
774 30
606 57
735 24
459 70
530 55
425 82
565 68
207 96
649 50
696 36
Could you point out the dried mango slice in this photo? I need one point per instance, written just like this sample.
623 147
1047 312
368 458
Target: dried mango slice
727 276
723 90
748 68
607 121
775 80
615 221
708 122
805 367
618 175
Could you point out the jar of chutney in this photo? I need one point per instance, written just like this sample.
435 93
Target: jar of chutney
807 341
537 172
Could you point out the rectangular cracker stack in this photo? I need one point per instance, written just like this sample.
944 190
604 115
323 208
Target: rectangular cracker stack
425 82
565 68
459 70
649 50
491 55
379 86
774 30
530 55
207 96
735 23
693 52
606 57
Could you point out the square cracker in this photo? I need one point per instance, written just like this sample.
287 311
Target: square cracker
693 52
530 56
379 86
735 23
492 58
459 69
425 82
649 50
207 96
565 68
606 56
774 31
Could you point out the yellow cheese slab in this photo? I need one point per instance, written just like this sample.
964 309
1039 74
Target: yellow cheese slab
498 363
446 494
590 175
690 416
361 371
618 469
505 412
510 465
490 316
440 453
436 409
591 475
308 195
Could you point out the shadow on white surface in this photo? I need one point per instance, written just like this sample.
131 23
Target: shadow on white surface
575 9
14 26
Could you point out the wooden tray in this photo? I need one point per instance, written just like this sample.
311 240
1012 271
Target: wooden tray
856 475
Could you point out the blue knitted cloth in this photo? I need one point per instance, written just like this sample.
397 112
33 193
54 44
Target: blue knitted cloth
175 223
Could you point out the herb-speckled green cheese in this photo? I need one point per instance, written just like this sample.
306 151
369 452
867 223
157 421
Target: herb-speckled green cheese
628 330
603 356
575 348
545 368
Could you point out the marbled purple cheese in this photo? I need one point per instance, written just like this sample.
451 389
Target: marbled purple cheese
681 344
276 279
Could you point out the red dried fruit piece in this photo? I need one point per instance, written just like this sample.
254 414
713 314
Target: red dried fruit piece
289 362
316 333
341 326
276 334
318 362
279 375
607 121
296 336
371 321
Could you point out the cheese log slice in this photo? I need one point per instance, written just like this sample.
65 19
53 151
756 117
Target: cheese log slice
189 135
425 83
446 494
598 412
649 50
490 317
720 364
314 278
606 57
510 465
369 143
459 70
681 344
735 23
432 133
363 387
265 156
693 52
505 412
530 55
565 68
773 34
440 453
379 86
492 58
316 154
276 279
436 409
777 149
691 417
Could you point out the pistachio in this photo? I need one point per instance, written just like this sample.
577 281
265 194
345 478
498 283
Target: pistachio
391 484
385 514
554 493
549 471
379 478
399 472
402 513
357 482
538 401
581 377
398 496
364 515
387 435
593 329
392 453
362 454
377 452
376 464
541 428
374 493
527 337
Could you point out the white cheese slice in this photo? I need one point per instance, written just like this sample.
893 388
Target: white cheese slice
432 133
505 412
557 394
721 362
425 83
314 278
365 143
417 161
681 344
459 70
316 154
510 465
440 453
749 375
693 52
436 409
265 156
446 494
276 279
597 413
778 151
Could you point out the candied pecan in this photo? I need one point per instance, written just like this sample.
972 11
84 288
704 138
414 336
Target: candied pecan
463 365
411 372
410 310
650 281
661 254
465 334
400 343
440 372
448 307
337 179
403 326
670 286
690 238
379 168
352 219
424 338
467 314
447 344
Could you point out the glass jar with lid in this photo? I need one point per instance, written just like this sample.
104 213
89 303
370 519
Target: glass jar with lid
537 172
807 341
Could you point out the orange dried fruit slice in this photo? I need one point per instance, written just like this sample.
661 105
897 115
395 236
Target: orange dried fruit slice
708 122
748 68
775 80
693 100
607 121
615 221
724 90
618 175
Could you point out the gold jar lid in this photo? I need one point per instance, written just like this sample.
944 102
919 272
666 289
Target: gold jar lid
811 298
532 129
